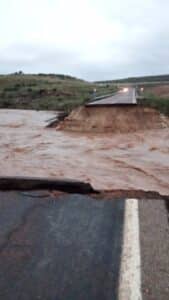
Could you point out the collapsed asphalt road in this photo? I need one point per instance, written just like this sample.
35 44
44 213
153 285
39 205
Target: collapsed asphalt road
72 247
55 246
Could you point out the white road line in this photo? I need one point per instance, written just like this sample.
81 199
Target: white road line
130 271
134 96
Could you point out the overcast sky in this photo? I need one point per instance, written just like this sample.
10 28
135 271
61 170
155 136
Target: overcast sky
90 39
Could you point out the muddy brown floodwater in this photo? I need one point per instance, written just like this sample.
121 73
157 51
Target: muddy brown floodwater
137 160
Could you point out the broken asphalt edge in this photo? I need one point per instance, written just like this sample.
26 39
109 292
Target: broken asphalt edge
34 183
11 183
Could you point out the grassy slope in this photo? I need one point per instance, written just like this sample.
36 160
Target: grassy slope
160 103
48 92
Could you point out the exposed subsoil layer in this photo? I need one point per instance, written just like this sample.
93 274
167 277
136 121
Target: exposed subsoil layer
114 119
135 160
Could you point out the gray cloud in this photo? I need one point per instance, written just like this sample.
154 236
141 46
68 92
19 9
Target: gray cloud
127 39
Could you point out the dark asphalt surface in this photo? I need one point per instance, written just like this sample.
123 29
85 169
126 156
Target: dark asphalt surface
119 98
65 248
154 237
70 247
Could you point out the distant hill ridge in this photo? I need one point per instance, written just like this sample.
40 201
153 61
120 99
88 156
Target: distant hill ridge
59 76
153 78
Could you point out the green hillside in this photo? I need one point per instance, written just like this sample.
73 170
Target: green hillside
46 91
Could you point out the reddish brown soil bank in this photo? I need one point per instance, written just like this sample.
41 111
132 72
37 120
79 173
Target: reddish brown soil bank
116 119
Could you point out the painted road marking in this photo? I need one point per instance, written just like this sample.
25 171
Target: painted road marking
130 270
134 96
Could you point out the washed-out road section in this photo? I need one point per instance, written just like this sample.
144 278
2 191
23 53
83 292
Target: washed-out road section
137 160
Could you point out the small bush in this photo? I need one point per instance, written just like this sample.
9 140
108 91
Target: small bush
156 102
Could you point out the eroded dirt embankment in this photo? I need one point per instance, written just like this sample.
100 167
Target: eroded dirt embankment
131 161
114 119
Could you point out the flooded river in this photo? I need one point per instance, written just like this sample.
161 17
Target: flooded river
115 161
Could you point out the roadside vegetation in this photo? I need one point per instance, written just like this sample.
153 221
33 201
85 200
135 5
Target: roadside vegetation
47 91
157 102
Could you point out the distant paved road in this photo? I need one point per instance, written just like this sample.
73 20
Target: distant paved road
71 247
124 96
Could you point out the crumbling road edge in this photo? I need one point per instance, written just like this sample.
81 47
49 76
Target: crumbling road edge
32 183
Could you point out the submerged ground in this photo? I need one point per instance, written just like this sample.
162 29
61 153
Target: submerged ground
138 160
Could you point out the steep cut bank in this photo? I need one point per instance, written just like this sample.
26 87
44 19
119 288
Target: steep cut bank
115 119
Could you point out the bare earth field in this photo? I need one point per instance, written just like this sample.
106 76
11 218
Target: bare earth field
159 90
136 160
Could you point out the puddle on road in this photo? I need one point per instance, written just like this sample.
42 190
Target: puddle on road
137 160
